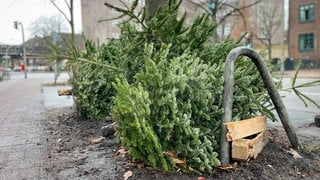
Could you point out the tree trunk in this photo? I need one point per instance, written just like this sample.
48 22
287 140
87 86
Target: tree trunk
72 22
215 19
269 49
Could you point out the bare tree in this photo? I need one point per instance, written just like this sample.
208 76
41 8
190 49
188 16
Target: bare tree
44 26
221 10
269 23
70 17
229 8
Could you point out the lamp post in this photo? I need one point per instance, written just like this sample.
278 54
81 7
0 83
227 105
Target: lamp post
16 23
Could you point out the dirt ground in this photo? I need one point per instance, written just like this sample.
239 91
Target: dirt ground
71 153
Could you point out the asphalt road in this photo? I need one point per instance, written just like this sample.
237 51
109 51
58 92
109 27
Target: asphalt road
301 114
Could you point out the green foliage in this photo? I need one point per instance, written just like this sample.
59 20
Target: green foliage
132 111
182 106
92 83
163 84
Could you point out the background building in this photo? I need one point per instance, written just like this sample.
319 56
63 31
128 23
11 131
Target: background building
99 23
37 51
262 20
304 30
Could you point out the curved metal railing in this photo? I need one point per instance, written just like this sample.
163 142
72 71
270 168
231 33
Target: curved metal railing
228 98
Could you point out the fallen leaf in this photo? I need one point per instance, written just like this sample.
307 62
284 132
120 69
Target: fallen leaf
171 154
122 151
179 161
98 140
174 156
95 140
294 153
229 167
127 175
90 139
201 178
62 92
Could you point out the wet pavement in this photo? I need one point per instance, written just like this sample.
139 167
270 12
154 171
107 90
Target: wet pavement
302 116
23 107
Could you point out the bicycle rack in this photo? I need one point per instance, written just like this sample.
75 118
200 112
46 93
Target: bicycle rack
228 98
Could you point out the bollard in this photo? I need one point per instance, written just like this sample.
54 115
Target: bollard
228 98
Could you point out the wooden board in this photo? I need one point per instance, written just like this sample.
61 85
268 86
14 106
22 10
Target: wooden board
244 149
245 128
64 92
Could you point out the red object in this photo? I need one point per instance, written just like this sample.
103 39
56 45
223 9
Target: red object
22 67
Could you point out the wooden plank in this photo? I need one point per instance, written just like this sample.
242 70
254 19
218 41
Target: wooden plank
258 143
244 149
240 149
65 92
244 128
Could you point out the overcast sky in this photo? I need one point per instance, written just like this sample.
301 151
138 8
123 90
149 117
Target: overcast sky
27 11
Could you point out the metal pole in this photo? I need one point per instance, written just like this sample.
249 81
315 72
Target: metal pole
228 99
24 51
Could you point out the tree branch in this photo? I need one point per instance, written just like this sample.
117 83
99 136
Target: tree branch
126 12
60 10
235 9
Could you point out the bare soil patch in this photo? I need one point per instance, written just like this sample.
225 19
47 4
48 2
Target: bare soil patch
71 153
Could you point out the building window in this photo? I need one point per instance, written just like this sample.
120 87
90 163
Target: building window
227 30
306 13
306 42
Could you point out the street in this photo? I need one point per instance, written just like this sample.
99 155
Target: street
300 115
24 104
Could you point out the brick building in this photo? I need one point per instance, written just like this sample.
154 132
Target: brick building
304 29
263 20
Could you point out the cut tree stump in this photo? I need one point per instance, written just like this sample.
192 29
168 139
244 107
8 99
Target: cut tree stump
248 137
65 92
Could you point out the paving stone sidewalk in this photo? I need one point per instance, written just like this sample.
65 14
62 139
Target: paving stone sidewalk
22 112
